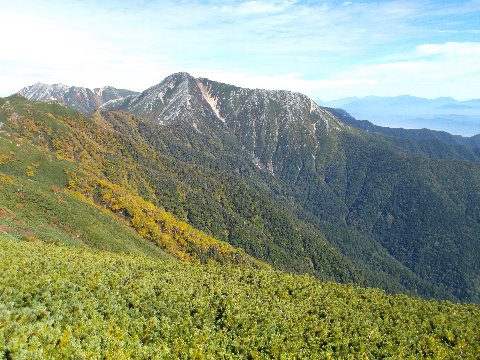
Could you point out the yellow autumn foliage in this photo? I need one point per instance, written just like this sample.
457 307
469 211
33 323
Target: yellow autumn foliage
155 224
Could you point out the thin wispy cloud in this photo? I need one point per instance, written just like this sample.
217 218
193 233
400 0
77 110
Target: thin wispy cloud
326 50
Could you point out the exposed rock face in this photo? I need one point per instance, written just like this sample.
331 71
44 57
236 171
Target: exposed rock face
269 124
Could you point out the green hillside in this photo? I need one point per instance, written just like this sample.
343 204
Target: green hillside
59 302
109 158
135 169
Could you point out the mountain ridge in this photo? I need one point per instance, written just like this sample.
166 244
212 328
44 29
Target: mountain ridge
229 110
108 97
81 99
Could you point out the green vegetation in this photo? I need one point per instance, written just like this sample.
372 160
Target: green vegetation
423 211
417 200
59 302
364 212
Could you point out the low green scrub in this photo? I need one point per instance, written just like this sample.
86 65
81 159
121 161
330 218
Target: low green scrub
60 302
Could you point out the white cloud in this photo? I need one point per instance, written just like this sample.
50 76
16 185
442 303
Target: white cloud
450 49
256 7
324 49
432 70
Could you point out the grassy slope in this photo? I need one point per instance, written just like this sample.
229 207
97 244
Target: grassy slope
33 207
63 302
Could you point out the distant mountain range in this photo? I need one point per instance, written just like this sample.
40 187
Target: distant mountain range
349 110
81 99
422 135
443 114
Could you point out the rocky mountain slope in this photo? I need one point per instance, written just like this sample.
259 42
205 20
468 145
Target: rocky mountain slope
81 99
265 122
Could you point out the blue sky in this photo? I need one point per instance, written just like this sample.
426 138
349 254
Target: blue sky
328 50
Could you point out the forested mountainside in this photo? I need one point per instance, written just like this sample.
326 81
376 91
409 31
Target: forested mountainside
348 184
105 162
284 179
60 302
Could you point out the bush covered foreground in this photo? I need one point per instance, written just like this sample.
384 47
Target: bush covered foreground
59 302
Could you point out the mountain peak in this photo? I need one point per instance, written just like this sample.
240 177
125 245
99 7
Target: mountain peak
222 103
181 74
260 119
175 78
162 102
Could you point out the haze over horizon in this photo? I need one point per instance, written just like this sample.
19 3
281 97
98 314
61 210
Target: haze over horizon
327 50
